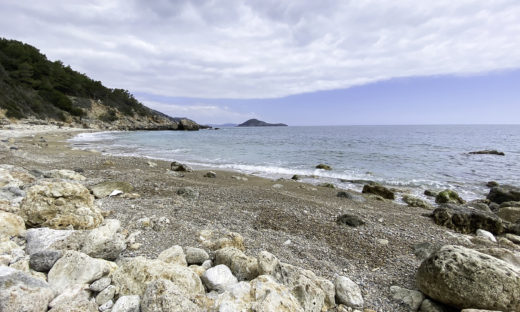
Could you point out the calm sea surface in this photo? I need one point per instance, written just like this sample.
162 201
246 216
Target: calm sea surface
410 157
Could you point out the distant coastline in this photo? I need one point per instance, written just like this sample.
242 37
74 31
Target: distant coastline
260 123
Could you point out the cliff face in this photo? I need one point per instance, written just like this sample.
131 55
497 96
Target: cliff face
259 123
32 87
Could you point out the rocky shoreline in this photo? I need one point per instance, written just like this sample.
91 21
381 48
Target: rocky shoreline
82 231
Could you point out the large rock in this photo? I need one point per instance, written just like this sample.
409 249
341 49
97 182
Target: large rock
11 224
105 242
468 220
21 292
504 193
218 278
449 197
11 176
348 292
133 276
243 267
60 204
76 268
465 278
511 214
174 255
44 238
312 292
74 298
106 188
378 190
163 295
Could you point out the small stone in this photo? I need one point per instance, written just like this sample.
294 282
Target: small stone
411 298
382 241
323 167
350 220
127 304
106 306
218 278
151 164
42 261
106 295
296 177
487 235
353 197
104 189
176 166
207 264
144 222
243 267
348 292
174 255
277 186
210 174
100 284
267 263
188 192
195 255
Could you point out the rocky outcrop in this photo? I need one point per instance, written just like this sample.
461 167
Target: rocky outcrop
468 220
378 190
465 278
60 205
504 193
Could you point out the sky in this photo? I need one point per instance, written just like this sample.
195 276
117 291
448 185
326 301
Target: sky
301 62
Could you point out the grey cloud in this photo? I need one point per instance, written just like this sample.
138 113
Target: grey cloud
266 48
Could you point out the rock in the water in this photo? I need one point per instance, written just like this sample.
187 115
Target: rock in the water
43 261
105 242
348 292
353 197
195 255
176 166
465 278
492 184
487 152
486 235
163 295
378 190
174 255
411 298
504 193
350 220
210 174
468 220
431 193
76 268
134 274
100 284
188 192
416 202
510 214
11 224
295 177
449 197
127 304
218 278
243 267
65 174
22 292
59 205
104 189
324 167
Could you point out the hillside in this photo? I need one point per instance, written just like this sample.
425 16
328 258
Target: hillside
33 87
259 123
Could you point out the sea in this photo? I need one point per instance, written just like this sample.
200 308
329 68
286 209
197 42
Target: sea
412 158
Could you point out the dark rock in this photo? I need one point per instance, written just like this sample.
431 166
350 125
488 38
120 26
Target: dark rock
504 193
478 205
494 207
510 204
487 152
187 124
188 192
468 220
324 167
259 123
177 166
431 193
350 220
296 177
448 196
210 174
378 190
492 184
354 197
42 261
79 170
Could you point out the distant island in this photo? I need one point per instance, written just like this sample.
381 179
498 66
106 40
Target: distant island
259 123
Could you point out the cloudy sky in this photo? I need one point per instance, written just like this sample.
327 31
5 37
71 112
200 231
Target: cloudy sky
303 62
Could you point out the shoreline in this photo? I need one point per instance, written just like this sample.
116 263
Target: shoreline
294 221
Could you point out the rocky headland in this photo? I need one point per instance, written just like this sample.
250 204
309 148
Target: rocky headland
83 231
259 123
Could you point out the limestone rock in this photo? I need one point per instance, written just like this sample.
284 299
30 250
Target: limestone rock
127 304
468 220
216 240
210 174
21 292
133 275
11 176
448 196
100 284
243 267
174 255
59 205
416 202
511 257
348 292
195 255
271 296
218 278
504 193
511 214
104 189
106 295
22 264
411 298
465 278
48 239
378 190
163 295
43 261
11 224
65 174
74 298
105 242
76 268
267 263
107 306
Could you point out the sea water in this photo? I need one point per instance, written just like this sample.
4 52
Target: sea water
412 158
